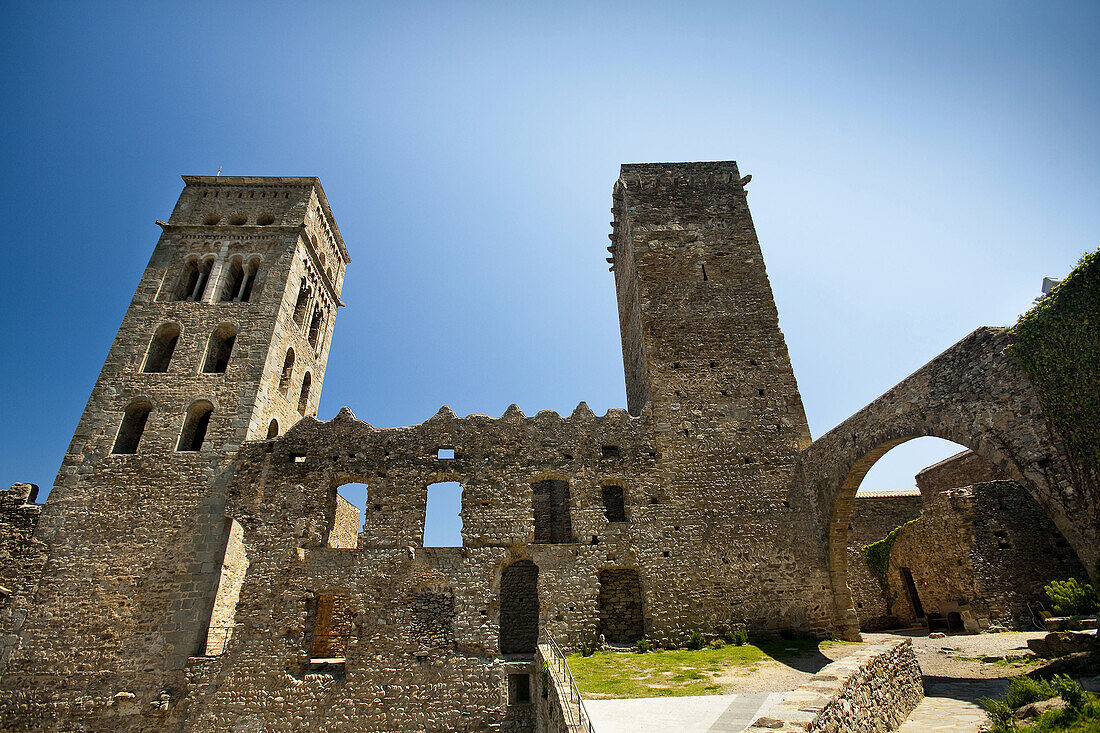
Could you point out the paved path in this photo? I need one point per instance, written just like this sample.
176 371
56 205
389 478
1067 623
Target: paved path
698 714
952 707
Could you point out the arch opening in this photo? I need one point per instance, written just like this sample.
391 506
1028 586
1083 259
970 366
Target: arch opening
161 348
194 426
133 426
287 373
944 529
219 349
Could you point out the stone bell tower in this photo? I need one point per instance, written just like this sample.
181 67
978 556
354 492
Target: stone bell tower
225 340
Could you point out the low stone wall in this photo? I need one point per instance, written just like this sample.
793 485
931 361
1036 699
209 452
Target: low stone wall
869 691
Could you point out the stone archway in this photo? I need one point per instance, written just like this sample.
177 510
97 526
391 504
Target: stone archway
974 395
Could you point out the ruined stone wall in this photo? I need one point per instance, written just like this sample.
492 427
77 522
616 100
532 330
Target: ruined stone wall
874 515
962 469
981 551
21 560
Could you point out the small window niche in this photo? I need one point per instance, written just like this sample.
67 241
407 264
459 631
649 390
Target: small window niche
273 429
161 348
219 349
194 426
614 505
132 427
519 689
446 453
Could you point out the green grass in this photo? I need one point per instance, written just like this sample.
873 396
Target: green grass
675 673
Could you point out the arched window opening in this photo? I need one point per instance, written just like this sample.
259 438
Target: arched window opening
443 516
301 305
315 327
234 566
303 396
161 348
519 608
219 349
250 273
351 508
194 426
288 371
133 425
620 606
550 500
614 507
189 279
273 429
234 279
193 281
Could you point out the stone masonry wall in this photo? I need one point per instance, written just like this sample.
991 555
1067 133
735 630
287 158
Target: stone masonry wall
871 690
873 517
21 560
983 552
962 469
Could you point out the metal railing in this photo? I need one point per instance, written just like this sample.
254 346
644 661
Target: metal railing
577 718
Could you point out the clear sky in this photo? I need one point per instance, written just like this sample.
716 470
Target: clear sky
917 170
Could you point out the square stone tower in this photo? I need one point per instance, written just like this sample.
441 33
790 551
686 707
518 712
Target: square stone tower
705 360
226 340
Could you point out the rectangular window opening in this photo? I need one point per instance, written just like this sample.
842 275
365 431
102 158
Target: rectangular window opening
519 689
446 454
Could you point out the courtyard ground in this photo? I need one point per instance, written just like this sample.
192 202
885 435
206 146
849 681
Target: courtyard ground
729 687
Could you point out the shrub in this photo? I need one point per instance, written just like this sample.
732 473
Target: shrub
587 650
1024 690
1070 598
741 636
642 646
1002 718
1069 691
717 644
695 641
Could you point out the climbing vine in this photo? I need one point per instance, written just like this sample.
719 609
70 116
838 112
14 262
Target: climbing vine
877 557
1057 343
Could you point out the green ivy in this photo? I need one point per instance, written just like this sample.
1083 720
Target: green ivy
1057 343
877 557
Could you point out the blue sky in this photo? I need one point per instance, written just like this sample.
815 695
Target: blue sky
917 170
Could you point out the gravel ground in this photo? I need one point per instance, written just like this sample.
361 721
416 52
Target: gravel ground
937 656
